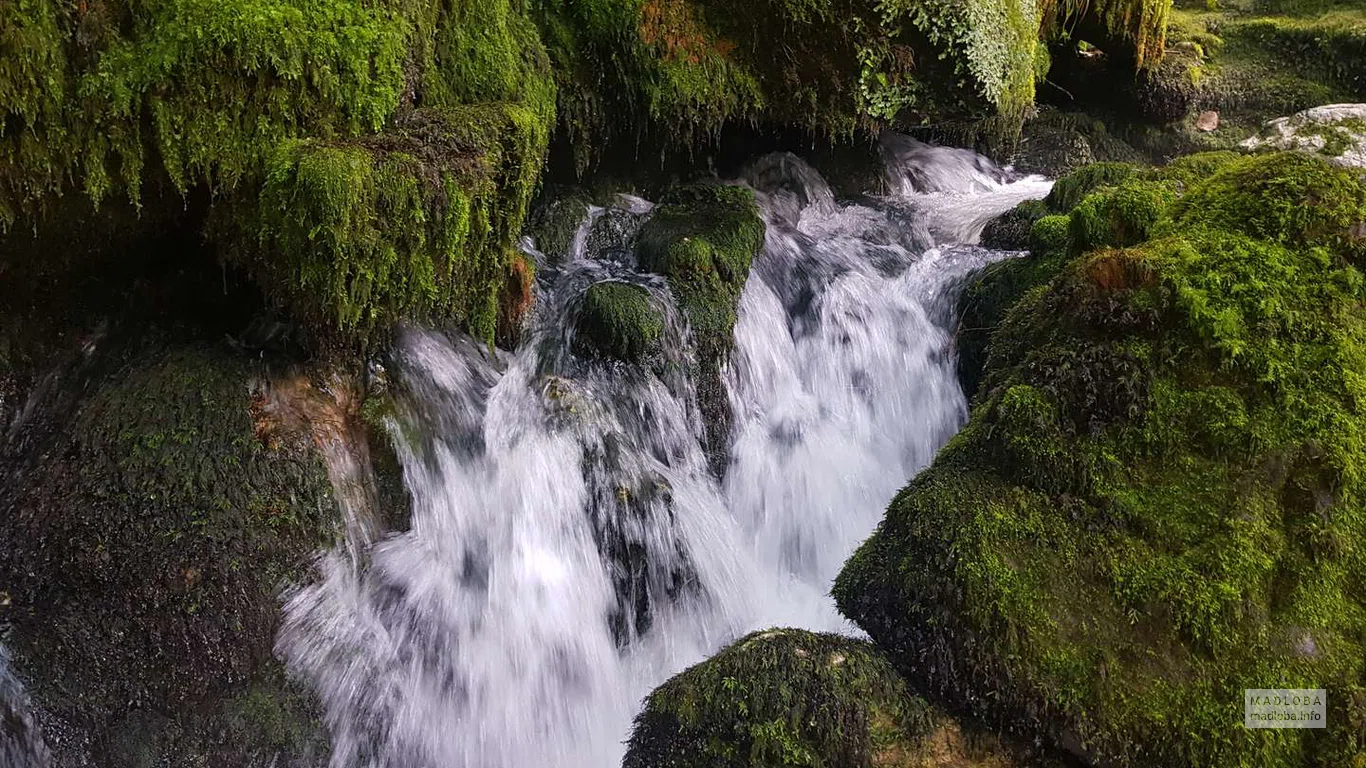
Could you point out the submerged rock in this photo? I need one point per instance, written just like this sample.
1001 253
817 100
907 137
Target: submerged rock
1159 496
783 697
1336 131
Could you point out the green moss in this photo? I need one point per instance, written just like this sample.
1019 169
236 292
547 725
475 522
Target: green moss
1288 198
1158 500
617 321
689 66
702 238
321 124
145 556
1189 170
418 223
787 697
1069 190
1120 216
1051 234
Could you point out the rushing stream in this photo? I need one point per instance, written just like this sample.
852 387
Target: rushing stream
569 547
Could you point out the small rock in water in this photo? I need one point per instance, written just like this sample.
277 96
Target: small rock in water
1336 131
1207 121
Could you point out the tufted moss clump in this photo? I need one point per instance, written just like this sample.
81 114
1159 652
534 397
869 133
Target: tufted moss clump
142 558
1120 216
617 321
1158 502
1051 235
1069 190
783 697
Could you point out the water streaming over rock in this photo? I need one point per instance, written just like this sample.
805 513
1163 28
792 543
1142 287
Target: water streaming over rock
21 742
569 548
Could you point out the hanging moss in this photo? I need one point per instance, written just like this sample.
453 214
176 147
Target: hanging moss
844 65
1138 25
1158 501
417 223
787 697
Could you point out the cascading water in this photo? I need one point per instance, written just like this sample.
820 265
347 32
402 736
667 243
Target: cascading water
569 548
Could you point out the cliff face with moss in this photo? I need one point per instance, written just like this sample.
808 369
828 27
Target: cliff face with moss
372 161
1157 503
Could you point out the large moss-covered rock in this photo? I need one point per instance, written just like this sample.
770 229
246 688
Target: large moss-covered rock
617 321
702 238
1160 499
785 697
145 541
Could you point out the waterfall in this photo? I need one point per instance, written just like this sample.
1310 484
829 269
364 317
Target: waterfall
569 548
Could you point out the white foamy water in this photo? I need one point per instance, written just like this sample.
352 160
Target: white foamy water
569 548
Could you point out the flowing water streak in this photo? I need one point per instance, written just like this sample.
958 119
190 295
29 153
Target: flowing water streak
568 548
21 742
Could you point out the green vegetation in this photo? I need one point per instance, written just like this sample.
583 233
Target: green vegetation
1158 501
787 697
618 322
1069 190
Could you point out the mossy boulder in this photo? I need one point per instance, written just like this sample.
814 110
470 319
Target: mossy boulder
1069 190
617 321
702 238
1158 502
145 544
1295 199
784 697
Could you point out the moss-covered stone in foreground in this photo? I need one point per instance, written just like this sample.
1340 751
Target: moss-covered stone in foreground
142 556
618 322
788 697
1160 500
